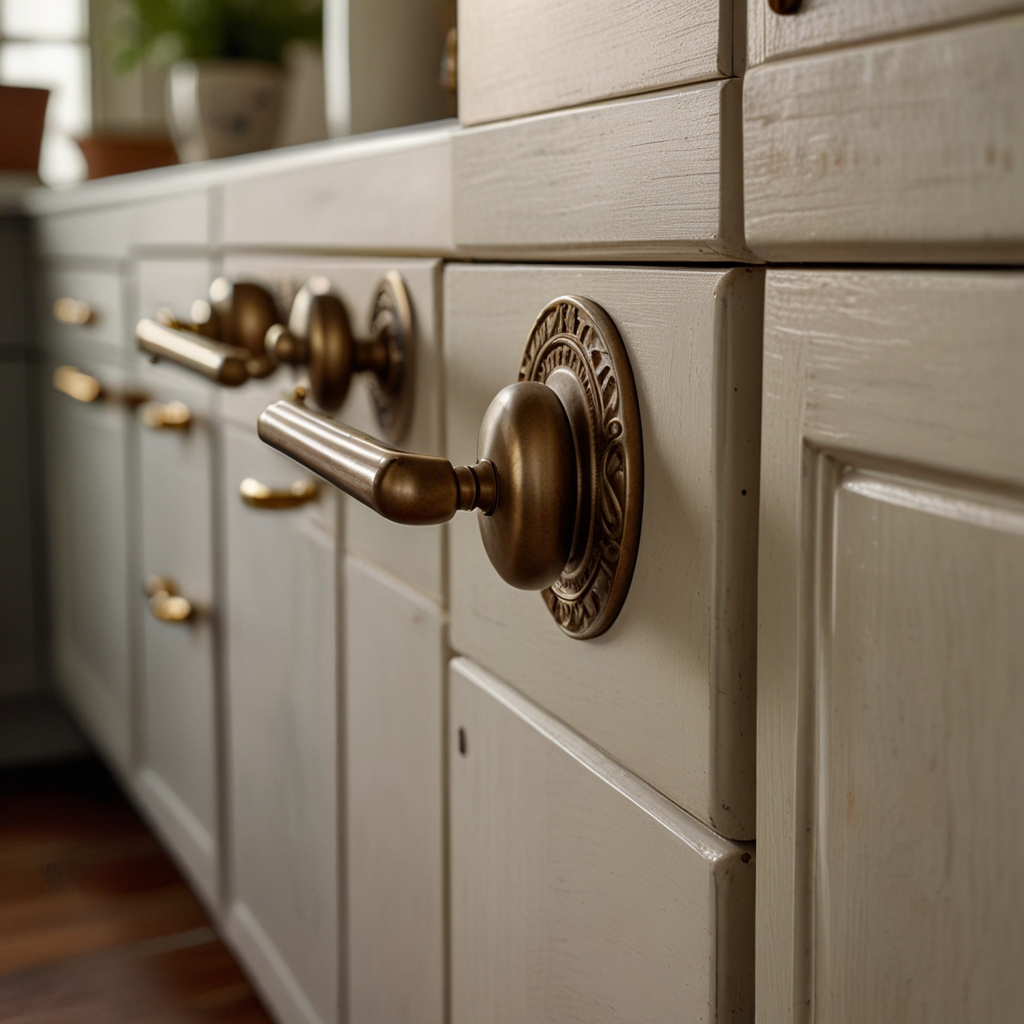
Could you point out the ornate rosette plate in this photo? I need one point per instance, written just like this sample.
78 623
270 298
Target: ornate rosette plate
574 336
392 315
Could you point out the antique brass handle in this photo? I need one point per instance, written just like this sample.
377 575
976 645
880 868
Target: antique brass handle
165 603
319 335
70 381
169 416
224 341
259 495
74 312
559 473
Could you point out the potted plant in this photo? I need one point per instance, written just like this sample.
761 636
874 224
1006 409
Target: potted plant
225 83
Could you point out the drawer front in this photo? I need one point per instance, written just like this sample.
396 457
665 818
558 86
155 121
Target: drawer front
822 24
86 462
899 151
657 177
96 302
890 651
669 689
172 284
414 556
578 892
521 58
176 774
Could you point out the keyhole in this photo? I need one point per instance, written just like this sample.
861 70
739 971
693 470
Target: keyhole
463 747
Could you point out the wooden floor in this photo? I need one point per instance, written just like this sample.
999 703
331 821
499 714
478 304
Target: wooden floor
96 925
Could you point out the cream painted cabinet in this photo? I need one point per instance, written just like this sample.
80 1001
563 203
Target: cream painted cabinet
669 690
578 892
86 435
891 654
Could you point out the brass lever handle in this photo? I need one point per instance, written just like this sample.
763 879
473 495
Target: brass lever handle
558 477
225 364
165 603
259 495
70 381
169 416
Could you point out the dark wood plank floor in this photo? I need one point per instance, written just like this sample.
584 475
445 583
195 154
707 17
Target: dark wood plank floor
96 924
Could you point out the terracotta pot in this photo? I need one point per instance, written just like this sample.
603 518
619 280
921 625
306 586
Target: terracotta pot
219 108
22 113
122 154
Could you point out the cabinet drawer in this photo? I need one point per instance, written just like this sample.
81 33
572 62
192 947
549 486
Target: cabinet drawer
821 24
578 892
84 307
898 151
669 689
520 58
656 177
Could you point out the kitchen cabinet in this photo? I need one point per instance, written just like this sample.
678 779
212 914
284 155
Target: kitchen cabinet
890 653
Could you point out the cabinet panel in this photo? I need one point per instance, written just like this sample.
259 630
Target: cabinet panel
899 151
656 177
521 58
889 715
87 503
395 654
821 24
177 773
669 689
282 737
578 892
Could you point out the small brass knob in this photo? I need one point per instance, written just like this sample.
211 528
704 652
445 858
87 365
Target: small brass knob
166 416
256 494
558 481
165 603
82 387
785 6
73 312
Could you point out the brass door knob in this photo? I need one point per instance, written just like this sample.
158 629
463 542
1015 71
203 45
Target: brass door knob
259 495
558 480
319 335
225 340
165 603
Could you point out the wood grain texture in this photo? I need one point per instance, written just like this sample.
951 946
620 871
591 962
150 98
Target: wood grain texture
656 177
668 691
899 151
523 58
891 568
824 24
578 892
282 738
395 865
415 556
390 193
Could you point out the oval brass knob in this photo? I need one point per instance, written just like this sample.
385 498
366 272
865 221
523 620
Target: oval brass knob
225 340
319 335
559 473
74 312
166 416
259 495
70 381
165 603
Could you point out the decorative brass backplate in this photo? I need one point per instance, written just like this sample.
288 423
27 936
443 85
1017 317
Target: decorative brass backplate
575 348
392 391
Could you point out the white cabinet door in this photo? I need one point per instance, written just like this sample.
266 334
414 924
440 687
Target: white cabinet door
669 689
578 892
520 58
86 460
177 763
891 652
280 622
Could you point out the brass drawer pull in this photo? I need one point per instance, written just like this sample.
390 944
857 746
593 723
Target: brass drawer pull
70 381
259 495
559 476
166 416
225 364
74 312
785 6
165 603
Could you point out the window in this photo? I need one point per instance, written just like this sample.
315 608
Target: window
45 43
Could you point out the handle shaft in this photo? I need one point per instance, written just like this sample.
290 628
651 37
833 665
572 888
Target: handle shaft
225 364
416 490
